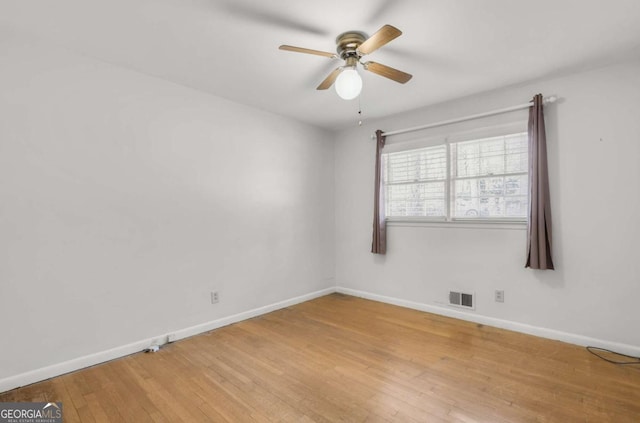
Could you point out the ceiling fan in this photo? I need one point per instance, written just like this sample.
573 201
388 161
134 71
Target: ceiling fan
351 46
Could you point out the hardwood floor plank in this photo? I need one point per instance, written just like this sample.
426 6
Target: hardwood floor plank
341 358
62 395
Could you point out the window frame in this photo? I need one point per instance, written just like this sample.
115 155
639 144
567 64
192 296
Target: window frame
449 201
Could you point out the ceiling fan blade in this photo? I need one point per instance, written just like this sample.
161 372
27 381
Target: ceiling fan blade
308 51
388 72
380 38
329 80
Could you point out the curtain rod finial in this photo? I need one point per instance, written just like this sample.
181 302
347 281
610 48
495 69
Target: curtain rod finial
551 99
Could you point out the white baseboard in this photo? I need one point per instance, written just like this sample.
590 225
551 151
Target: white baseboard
215 324
570 338
48 372
44 373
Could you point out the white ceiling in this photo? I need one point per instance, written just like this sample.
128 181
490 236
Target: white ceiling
229 48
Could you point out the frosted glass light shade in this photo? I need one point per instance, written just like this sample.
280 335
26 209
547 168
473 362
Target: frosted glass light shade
348 84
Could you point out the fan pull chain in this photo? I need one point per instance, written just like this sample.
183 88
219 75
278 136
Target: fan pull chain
359 112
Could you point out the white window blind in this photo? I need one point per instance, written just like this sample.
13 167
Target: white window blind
483 179
415 182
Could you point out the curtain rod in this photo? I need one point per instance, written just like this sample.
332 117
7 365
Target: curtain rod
550 99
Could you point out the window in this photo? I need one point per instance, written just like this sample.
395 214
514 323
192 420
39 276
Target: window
483 179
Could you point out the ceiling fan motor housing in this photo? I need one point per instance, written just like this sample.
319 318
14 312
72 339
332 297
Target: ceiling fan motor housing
348 43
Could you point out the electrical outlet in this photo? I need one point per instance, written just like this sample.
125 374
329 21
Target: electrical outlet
215 297
499 296
171 337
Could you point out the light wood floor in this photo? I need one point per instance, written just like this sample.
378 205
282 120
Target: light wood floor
340 358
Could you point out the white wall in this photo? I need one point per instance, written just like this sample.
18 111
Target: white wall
126 199
594 155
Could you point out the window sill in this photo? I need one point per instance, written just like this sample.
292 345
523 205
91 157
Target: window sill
458 224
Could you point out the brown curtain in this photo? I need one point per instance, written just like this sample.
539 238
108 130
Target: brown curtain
539 224
379 243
